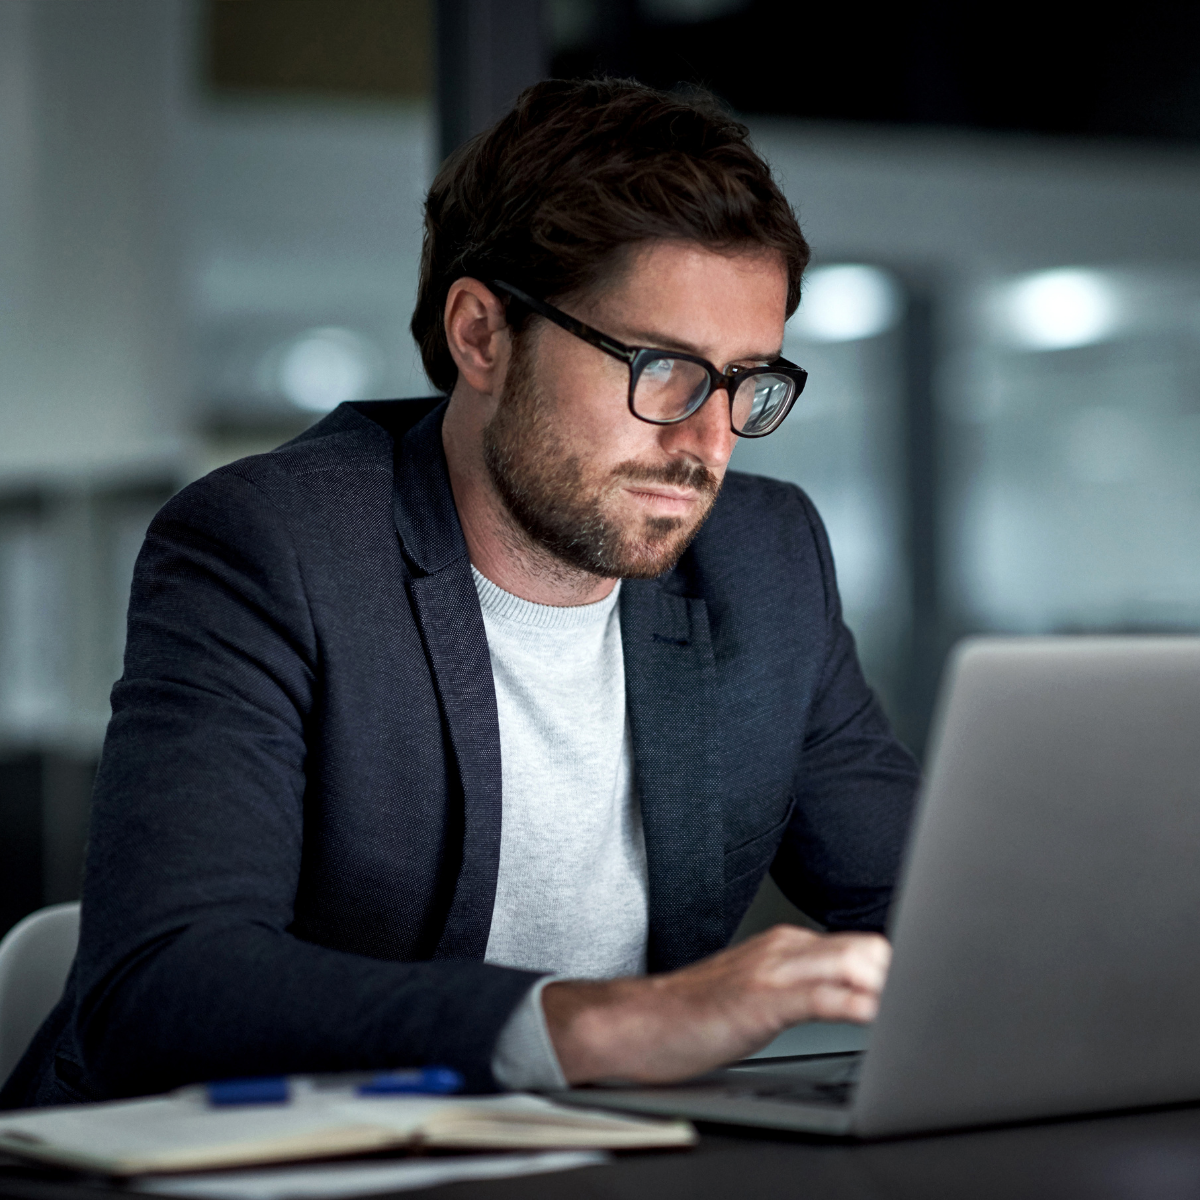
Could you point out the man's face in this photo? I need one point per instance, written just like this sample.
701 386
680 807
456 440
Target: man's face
580 474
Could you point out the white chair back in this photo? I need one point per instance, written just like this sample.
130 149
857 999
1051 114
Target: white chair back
35 958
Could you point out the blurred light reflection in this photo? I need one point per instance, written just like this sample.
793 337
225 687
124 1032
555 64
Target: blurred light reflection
324 367
846 302
1058 310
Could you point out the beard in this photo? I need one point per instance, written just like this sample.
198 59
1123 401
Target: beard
565 512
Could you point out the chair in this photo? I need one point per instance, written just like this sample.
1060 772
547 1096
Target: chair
35 957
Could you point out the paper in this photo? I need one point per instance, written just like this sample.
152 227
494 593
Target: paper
181 1132
360 1179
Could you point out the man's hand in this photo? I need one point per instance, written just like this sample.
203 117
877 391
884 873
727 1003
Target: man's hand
668 1027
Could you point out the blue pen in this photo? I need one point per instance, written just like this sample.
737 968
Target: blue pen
265 1089
424 1081
277 1089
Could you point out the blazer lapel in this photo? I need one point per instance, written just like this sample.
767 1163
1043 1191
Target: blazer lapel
671 693
447 609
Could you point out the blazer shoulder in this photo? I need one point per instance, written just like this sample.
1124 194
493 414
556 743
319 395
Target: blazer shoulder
352 441
761 534
343 459
759 491
754 512
340 440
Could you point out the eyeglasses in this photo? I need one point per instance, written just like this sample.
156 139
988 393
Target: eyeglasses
666 387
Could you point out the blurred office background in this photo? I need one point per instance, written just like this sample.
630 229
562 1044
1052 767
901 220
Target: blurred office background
209 236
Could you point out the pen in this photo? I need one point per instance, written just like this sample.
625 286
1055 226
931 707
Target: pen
427 1081
265 1089
277 1089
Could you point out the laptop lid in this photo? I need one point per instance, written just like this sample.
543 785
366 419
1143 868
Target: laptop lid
1047 936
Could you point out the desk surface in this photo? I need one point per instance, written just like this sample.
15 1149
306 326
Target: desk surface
1152 1155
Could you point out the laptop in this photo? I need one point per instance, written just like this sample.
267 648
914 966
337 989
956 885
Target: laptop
1047 931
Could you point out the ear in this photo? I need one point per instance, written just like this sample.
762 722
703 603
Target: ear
478 334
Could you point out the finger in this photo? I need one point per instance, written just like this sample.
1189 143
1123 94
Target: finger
849 964
830 1002
867 960
784 940
869 945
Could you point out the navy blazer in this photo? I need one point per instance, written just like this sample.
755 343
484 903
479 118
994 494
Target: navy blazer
296 823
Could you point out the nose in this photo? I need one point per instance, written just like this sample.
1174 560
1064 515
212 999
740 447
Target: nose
705 436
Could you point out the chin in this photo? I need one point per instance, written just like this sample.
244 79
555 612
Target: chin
658 548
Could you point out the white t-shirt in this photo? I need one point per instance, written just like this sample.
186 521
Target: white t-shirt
572 887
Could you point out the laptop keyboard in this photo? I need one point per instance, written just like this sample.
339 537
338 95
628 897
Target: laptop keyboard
828 1082
807 1093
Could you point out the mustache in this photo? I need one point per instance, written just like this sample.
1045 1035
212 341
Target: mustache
675 474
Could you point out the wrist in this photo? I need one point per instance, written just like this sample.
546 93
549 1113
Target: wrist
596 1027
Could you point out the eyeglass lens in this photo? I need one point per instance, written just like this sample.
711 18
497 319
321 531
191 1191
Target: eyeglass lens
671 388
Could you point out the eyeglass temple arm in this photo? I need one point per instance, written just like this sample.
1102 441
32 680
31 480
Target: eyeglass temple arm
561 319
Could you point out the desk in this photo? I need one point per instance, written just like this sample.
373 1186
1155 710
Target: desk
1152 1155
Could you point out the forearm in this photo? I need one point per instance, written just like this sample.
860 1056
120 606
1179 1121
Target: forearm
679 1024
226 999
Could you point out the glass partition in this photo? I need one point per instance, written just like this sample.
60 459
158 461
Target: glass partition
1075 464
843 443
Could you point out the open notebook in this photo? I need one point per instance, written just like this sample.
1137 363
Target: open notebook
182 1132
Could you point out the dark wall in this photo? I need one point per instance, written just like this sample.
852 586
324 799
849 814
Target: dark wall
365 48
1044 69
44 802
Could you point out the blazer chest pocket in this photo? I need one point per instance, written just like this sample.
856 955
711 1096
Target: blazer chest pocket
755 854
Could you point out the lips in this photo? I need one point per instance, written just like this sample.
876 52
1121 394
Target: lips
680 480
665 493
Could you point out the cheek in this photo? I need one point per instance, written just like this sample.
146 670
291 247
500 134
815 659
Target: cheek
587 395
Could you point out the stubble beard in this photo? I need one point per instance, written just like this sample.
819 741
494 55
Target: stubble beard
560 510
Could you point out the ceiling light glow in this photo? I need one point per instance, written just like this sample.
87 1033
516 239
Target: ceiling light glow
324 367
1058 310
846 302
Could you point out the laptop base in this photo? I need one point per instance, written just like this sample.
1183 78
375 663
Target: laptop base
806 1094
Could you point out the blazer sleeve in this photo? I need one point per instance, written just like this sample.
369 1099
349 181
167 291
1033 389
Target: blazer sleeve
840 855
186 967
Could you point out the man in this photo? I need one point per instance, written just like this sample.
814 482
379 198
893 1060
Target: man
465 732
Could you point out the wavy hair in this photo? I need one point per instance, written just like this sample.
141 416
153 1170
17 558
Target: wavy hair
579 171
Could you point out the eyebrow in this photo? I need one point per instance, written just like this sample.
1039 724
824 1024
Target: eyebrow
656 341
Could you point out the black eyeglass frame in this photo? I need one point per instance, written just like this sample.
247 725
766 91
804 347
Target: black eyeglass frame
638 358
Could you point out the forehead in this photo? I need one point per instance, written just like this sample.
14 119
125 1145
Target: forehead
688 291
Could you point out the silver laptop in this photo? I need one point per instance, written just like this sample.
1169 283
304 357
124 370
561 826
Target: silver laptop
1047 935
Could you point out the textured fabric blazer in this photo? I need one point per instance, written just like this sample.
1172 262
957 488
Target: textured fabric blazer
296 823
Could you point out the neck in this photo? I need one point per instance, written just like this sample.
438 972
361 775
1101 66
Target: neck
499 548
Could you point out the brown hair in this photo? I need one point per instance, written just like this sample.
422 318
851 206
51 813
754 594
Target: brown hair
554 191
